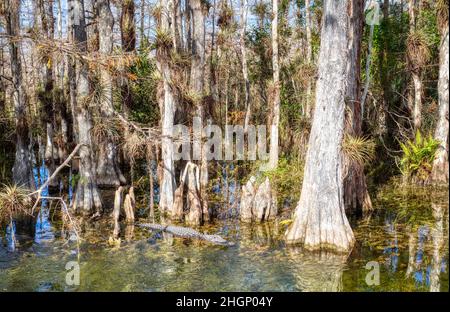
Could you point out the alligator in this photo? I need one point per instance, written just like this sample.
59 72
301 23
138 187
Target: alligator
186 233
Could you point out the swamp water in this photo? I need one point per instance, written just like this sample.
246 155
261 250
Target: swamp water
406 238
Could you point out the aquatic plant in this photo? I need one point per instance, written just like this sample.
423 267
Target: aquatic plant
14 200
418 155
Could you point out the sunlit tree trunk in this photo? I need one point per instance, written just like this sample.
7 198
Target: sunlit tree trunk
440 164
87 198
356 195
22 169
108 170
247 103
309 59
142 23
167 106
197 84
320 220
275 110
416 73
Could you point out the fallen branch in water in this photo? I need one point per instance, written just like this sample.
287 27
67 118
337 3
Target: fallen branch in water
73 224
54 175
66 214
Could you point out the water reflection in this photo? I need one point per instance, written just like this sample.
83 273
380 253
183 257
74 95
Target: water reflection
318 271
260 260
11 236
44 230
426 252
391 251
437 234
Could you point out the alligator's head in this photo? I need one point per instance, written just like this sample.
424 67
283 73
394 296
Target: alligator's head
216 239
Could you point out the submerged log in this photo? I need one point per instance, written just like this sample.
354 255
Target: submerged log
258 204
186 233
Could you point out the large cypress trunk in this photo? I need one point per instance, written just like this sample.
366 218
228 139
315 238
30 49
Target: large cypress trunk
440 164
108 170
320 220
197 86
167 107
22 169
87 198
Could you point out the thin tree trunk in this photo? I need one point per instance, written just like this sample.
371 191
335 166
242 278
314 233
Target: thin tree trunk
167 100
71 72
320 220
87 198
47 95
275 120
22 169
368 63
128 36
247 103
197 86
384 76
309 59
440 164
142 23
108 170
60 98
418 94
416 73
356 195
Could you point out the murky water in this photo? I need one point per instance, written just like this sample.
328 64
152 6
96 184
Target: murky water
406 240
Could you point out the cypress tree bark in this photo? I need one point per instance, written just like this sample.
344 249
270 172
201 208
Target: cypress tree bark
198 64
308 25
128 36
22 169
356 196
320 220
167 107
440 165
108 170
87 197
45 14
416 73
247 103
275 110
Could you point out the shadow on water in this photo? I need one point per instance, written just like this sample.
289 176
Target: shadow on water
407 237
